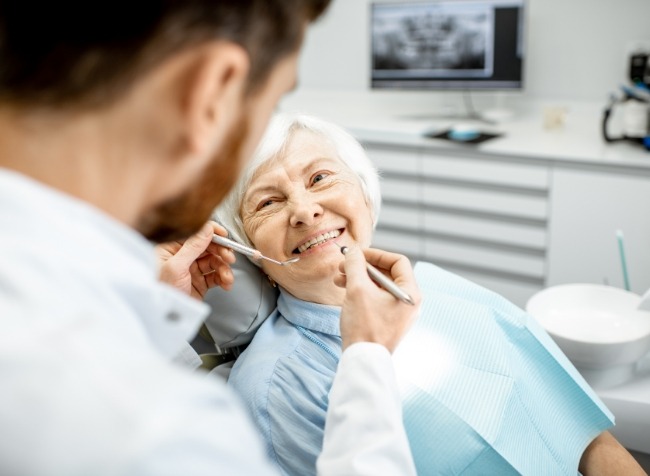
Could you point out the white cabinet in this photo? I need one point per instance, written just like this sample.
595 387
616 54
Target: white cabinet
587 208
482 217
514 224
400 219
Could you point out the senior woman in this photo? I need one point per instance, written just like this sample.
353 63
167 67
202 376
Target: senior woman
485 390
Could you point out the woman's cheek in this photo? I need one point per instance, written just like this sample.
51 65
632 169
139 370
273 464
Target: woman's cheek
261 230
251 227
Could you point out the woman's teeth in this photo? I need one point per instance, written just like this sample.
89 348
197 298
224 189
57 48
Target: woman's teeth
319 240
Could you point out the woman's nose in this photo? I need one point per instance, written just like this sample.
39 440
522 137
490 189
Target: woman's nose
305 211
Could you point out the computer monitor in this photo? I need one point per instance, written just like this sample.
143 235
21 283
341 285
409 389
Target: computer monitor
448 45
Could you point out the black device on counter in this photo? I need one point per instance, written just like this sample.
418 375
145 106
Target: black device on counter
640 68
635 105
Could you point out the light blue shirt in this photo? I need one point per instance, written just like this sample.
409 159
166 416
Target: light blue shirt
285 376
484 389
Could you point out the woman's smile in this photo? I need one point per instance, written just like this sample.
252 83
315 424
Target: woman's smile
316 241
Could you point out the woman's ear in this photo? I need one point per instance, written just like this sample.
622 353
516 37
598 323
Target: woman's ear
212 95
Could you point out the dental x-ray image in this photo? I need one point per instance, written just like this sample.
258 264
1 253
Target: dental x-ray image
444 39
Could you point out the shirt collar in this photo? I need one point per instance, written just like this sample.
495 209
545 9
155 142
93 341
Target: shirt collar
310 315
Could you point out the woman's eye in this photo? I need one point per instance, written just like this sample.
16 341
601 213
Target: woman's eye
319 176
265 203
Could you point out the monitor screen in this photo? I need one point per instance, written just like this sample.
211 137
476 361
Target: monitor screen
461 44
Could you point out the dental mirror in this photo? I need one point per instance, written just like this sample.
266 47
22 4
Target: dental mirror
248 251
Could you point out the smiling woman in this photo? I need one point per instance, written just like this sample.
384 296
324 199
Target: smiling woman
484 390
310 185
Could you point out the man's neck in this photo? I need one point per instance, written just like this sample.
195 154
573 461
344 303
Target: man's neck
77 155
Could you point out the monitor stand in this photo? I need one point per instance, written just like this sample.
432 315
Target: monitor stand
452 116
472 116
499 113
452 111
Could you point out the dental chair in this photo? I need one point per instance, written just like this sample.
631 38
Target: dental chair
235 317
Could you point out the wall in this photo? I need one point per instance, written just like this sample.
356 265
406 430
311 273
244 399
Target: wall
576 50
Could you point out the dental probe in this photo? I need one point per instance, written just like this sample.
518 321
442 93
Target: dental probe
385 282
248 251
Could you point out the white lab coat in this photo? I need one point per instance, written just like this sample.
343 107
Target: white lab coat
87 335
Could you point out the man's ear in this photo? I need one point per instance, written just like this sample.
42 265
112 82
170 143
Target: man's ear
213 95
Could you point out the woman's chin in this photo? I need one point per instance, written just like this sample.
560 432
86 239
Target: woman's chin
322 293
318 274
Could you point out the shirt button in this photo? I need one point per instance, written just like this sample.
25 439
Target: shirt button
173 316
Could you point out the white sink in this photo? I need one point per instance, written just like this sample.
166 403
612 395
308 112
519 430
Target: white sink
599 328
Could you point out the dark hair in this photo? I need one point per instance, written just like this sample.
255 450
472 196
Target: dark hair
72 53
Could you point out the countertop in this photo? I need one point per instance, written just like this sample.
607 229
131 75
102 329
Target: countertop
400 122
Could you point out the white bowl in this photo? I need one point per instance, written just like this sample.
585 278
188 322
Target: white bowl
599 328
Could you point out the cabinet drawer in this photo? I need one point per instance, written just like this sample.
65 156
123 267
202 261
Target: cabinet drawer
488 201
491 260
492 230
484 170
403 190
394 160
408 244
407 218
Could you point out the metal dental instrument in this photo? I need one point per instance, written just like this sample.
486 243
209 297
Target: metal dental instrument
248 251
385 282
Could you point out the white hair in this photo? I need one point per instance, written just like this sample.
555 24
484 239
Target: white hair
276 138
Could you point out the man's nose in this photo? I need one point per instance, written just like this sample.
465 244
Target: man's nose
305 210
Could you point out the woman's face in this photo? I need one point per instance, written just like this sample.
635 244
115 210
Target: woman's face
300 205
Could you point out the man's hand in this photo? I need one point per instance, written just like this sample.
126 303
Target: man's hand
197 264
372 314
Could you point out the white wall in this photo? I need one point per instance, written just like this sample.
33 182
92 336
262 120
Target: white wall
576 49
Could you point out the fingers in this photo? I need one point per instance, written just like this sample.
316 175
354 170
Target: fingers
194 246
369 313
200 245
397 267
225 253
164 251
220 270
207 273
218 229
197 264
354 268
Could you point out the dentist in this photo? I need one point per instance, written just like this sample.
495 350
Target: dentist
123 125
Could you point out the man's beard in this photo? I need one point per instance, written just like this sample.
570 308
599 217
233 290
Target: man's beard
183 216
